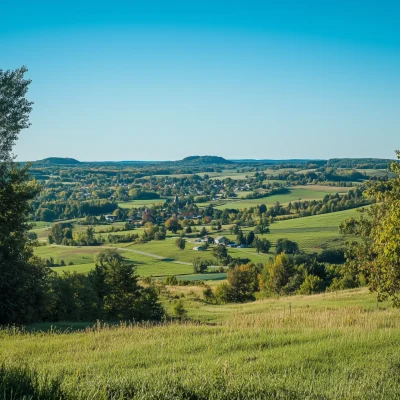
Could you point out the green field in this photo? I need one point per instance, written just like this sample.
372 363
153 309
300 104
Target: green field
329 346
140 203
313 192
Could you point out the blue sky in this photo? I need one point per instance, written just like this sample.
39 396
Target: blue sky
157 80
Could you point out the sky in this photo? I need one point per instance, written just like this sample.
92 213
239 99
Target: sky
162 80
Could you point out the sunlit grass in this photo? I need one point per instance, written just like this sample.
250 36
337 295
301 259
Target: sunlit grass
330 346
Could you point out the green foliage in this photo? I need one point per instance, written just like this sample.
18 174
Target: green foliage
178 309
376 256
286 246
200 265
23 282
243 282
180 243
171 280
312 284
223 293
262 245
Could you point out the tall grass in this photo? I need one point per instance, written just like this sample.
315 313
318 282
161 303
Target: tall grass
322 347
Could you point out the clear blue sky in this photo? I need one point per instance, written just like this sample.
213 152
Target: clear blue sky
156 80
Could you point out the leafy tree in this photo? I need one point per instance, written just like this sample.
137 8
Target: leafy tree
376 257
180 243
222 293
240 237
172 225
262 245
312 284
286 246
243 282
119 291
221 254
200 265
23 282
262 227
276 274
250 238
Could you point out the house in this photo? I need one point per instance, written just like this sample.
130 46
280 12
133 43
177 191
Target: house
221 240
111 218
199 248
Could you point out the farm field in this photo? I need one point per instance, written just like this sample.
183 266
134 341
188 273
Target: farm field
329 346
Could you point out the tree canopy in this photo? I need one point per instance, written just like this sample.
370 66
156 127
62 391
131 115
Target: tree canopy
376 256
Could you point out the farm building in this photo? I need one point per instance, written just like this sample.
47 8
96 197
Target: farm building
111 218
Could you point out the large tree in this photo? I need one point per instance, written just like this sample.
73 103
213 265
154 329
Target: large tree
375 257
22 276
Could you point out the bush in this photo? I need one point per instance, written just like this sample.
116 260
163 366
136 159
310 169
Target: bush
178 309
312 284
223 293
171 280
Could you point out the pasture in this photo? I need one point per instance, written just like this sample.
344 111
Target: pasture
330 346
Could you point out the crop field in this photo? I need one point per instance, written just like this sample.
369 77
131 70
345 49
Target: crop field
330 346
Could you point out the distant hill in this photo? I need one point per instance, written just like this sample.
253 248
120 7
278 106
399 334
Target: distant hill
205 160
59 161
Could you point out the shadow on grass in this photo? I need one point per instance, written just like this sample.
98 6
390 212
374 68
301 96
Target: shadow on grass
22 383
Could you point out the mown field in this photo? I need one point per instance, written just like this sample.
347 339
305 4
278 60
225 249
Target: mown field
160 258
328 346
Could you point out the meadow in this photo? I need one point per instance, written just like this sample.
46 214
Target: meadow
328 346
298 193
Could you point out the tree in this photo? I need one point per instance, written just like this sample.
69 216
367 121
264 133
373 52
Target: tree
172 225
250 238
243 282
24 278
276 274
262 245
222 293
203 231
286 246
376 257
119 292
240 238
312 284
181 243
200 265
262 227
221 254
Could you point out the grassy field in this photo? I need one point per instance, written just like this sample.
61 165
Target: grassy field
329 346
140 203
312 192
